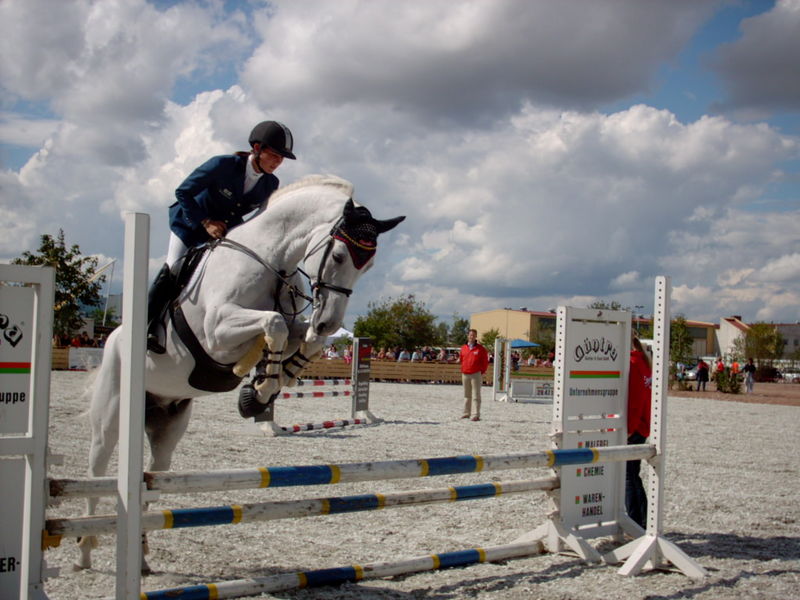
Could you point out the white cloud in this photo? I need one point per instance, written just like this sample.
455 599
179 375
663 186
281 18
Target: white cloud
461 116
465 61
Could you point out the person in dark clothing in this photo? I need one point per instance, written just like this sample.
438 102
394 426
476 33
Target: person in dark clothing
639 397
702 374
213 199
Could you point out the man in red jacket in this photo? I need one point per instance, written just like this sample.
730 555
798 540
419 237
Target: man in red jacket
639 397
474 362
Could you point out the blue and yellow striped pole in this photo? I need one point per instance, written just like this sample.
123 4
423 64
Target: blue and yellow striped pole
208 481
339 575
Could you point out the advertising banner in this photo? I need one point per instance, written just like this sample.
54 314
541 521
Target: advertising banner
589 411
16 319
362 356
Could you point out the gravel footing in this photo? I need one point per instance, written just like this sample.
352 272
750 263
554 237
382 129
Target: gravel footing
731 501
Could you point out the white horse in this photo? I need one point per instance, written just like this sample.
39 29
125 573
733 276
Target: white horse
244 296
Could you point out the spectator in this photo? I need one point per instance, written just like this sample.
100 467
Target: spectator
332 353
416 356
702 374
749 375
404 356
474 362
639 394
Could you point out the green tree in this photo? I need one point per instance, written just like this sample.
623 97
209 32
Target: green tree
442 334
403 322
76 282
112 320
488 338
680 341
680 348
610 305
762 342
458 331
547 343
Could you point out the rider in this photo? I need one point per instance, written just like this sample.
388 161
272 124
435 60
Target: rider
212 200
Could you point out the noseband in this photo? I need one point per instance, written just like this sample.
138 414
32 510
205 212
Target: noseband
317 285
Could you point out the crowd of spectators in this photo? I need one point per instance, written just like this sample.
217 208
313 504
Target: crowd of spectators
79 340
430 354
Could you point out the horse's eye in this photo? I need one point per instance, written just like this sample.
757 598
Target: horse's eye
338 257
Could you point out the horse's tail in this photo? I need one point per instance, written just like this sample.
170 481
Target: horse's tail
88 389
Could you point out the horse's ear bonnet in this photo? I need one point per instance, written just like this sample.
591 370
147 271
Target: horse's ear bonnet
359 231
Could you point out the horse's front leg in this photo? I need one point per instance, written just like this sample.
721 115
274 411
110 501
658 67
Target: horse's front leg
301 355
230 329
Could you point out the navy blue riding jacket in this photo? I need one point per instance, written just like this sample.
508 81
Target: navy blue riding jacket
215 190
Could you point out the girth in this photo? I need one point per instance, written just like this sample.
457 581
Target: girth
208 375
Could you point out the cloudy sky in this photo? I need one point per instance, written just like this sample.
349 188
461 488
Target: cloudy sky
545 153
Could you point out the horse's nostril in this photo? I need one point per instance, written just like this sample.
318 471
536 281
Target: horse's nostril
320 328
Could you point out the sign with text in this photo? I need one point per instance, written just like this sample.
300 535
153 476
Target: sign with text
362 356
16 347
590 405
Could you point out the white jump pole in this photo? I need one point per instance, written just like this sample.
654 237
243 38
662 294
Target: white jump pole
131 416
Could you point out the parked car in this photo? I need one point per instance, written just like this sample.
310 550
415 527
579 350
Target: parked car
790 377
690 374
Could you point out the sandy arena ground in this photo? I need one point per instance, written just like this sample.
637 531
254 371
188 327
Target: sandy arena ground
731 493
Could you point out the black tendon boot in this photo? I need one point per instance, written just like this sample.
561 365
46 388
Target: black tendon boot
157 299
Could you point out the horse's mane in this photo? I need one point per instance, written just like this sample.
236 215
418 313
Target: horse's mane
310 180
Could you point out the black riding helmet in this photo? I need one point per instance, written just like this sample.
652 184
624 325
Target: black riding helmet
275 136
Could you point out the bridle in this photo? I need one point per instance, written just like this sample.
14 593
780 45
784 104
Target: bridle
284 279
317 285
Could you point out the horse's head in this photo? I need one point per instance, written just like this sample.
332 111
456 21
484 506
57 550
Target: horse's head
340 256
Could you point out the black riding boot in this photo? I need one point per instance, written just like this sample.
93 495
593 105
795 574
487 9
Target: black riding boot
157 299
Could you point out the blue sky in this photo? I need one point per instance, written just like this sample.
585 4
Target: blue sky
544 153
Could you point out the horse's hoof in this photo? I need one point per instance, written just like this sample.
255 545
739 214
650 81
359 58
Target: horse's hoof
76 567
249 404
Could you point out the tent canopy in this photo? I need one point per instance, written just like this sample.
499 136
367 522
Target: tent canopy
341 332
523 344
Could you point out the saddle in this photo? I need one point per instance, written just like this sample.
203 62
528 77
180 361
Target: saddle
208 375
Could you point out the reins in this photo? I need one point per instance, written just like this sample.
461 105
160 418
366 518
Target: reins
283 277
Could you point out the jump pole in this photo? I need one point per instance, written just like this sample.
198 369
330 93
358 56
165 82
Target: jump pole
350 573
237 514
132 407
176 482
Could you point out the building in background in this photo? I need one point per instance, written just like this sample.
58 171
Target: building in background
535 325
